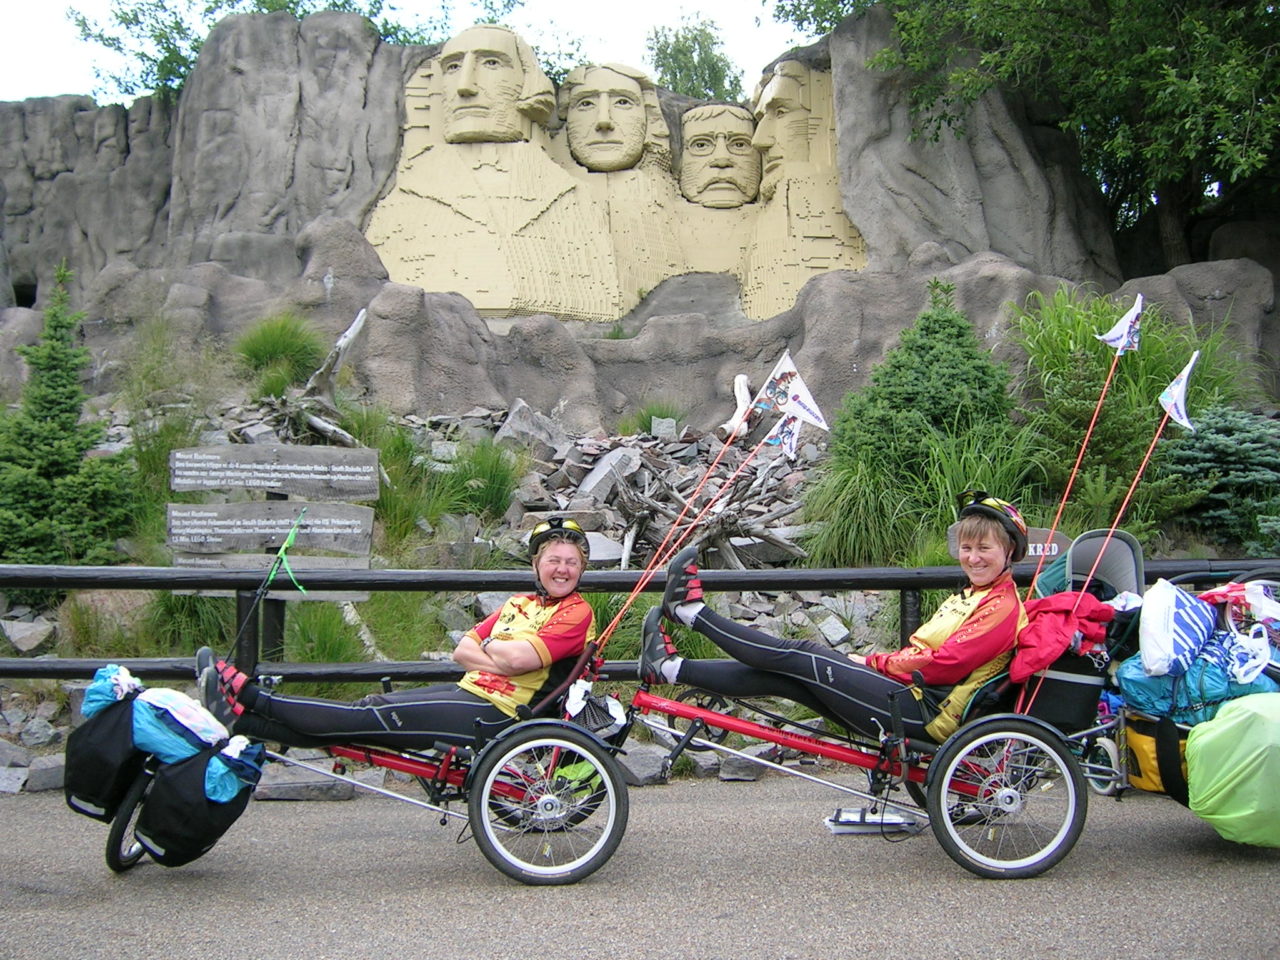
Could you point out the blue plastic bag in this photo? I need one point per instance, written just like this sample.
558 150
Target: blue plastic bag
1191 698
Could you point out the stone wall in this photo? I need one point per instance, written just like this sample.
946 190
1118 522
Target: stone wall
253 194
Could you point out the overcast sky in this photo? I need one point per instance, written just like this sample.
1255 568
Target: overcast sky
41 56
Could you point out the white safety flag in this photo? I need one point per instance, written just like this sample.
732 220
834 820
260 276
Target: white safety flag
1123 337
785 392
1174 396
785 434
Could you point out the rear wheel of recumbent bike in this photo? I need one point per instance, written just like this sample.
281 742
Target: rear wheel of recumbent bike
123 849
547 805
1006 798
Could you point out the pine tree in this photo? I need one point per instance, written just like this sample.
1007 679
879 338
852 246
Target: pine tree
57 504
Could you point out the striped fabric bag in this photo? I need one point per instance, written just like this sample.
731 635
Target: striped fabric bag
1173 627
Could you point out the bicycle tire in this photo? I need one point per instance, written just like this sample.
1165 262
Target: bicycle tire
547 806
1006 798
123 849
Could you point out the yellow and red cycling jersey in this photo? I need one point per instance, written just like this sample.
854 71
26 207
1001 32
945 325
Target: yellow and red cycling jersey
557 630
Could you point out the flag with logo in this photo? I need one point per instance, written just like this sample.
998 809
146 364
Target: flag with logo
785 392
785 434
1123 337
1174 396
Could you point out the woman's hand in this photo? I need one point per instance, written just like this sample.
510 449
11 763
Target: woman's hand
858 659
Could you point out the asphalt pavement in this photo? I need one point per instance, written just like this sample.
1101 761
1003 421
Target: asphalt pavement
706 870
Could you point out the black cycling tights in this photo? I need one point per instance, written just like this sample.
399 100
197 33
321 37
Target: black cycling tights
405 719
805 671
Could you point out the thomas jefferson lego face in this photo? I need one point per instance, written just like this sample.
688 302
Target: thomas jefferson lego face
720 167
782 130
606 120
482 79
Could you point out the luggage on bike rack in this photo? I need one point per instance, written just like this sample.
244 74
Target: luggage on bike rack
102 761
1067 692
1233 765
179 822
1151 743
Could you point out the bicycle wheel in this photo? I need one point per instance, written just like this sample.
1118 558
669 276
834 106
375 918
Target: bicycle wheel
123 849
1100 765
547 805
1006 798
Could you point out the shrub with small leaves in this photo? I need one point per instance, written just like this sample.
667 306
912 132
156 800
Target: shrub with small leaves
1240 454
939 381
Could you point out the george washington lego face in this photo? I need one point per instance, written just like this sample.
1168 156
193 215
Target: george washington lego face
482 77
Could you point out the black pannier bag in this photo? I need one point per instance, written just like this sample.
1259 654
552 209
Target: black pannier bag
101 761
179 823
1067 693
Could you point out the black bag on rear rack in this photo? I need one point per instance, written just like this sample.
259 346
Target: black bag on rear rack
179 823
101 761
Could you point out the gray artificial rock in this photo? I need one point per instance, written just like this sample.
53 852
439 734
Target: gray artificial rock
307 124
6 282
490 601
600 483
282 781
741 768
526 429
74 692
12 755
46 773
1016 189
643 764
832 629
12 779
37 732
29 639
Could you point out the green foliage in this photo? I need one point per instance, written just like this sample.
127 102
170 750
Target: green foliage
1066 368
817 16
1168 102
938 381
57 504
317 633
933 421
162 38
641 421
481 480
164 385
688 60
1240 453
283 350
488 476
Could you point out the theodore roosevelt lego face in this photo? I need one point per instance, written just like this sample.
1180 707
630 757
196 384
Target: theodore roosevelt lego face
719 166
482 76
606 120
782 126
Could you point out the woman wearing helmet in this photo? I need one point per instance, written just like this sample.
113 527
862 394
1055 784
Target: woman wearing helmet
966 642
511 659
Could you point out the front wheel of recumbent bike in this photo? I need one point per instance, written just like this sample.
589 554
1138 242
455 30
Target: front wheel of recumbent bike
547 805
123 849
1006 798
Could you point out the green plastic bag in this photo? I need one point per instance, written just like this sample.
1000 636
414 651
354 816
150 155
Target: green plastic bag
1233 767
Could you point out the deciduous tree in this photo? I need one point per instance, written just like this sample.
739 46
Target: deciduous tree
1172 104
688 60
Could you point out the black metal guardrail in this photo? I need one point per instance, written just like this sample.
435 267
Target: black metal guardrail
907 582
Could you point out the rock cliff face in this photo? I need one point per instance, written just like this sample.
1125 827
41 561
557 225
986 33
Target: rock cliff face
1014 189
252 194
